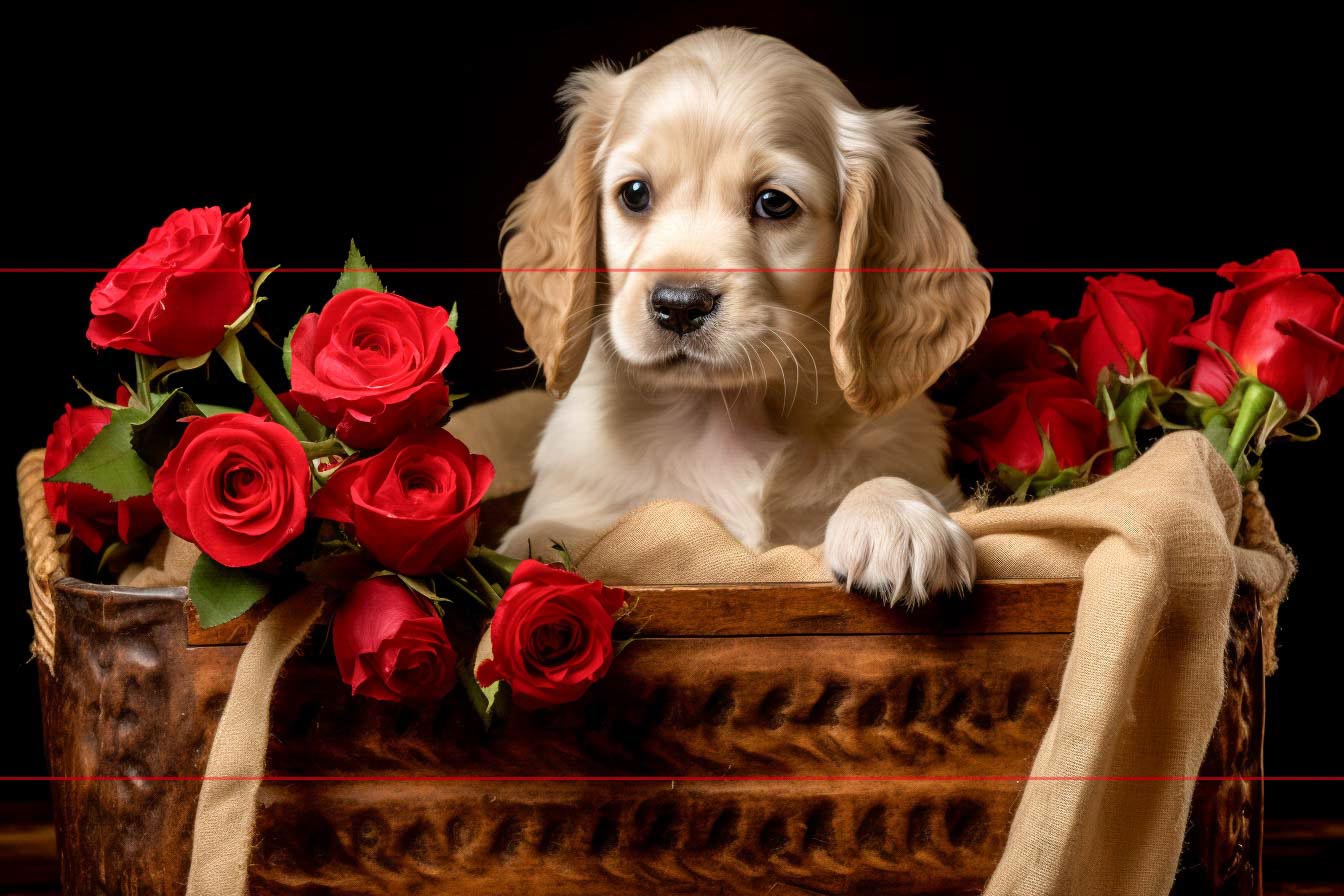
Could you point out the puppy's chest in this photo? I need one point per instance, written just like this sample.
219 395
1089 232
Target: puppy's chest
721 464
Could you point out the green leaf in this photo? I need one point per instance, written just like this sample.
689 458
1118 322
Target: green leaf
230 350
492 703
357 274
94 399
221 593
421 587
287 352
452 317
174 365
110 463
566 559
214 410
155 437
1217 431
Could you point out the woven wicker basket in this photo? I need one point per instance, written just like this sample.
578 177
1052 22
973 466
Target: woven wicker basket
744 681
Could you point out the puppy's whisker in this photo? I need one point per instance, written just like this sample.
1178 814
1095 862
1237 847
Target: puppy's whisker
784 379
518 367
796 367
816 372
773 307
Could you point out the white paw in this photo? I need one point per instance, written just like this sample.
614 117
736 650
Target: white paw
894 541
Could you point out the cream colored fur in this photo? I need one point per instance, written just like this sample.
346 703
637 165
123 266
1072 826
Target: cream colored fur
806 384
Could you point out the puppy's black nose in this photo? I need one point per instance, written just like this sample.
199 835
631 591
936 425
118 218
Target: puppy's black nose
682 309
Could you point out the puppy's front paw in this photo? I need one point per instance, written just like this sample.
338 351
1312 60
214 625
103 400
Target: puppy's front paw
893 540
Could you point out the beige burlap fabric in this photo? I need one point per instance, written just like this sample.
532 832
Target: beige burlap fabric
226 811
1140 694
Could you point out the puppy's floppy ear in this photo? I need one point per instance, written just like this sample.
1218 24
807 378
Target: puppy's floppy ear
894 333
553 225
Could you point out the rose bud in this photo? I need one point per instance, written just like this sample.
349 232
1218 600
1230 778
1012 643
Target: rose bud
391 646
91 516
370 366
1283 327
175 295
1008 343
415 505
236 487
1034 403
550 637
1121 319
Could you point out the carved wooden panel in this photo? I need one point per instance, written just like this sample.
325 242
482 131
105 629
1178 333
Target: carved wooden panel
584 838
826 705
821 686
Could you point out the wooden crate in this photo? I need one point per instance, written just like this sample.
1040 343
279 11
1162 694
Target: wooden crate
737 686
742 681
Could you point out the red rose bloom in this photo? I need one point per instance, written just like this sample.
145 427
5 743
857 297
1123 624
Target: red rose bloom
1121 318
236 487
91 515
1034 402
415 505
371 366
1283 327
550 638
391 646
175 295
1008 343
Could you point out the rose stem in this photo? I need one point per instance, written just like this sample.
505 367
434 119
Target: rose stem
279 413
1254 403
144 369
491 597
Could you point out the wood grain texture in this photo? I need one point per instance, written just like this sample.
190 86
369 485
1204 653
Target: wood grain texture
735 681
806 608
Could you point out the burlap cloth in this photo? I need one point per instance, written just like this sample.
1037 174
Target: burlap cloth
1153 544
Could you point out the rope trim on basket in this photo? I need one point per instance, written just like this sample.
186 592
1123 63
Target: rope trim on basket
46 561
1259 533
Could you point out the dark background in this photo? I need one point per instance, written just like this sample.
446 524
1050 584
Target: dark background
1059 144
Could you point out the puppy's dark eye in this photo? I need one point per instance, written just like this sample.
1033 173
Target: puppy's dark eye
774 204
635 196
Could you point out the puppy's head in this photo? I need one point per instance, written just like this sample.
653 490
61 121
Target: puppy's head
747 213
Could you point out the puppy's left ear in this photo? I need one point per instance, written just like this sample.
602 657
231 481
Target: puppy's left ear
550 236
895 330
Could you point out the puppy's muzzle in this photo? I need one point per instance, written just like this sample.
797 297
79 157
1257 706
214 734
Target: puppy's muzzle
682 309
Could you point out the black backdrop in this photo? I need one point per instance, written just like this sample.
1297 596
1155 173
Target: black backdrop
1060 145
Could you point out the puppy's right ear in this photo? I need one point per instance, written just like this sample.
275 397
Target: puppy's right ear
550 235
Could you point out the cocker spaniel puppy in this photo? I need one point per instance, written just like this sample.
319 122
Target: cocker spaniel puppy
743 282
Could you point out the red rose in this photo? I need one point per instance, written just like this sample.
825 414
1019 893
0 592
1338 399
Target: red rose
389 645
550 638
371 366
1035 402
1283 327
415 505
235 486
1121 318
175 295
91 515
1008 343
